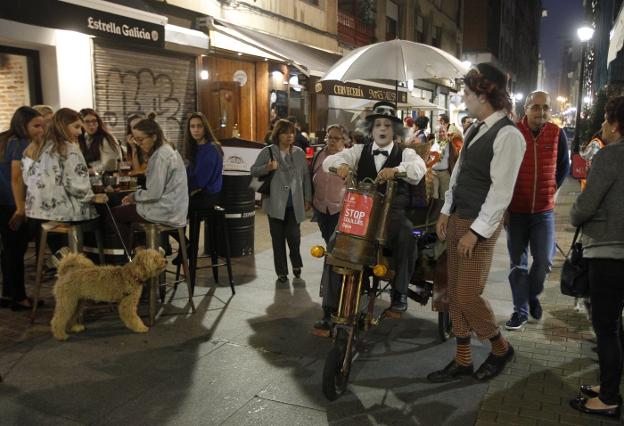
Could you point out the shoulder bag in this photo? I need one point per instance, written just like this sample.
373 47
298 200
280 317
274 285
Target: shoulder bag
574 273
262 184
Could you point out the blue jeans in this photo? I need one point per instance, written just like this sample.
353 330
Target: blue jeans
537 232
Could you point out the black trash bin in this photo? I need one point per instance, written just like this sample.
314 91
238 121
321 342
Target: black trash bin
240 212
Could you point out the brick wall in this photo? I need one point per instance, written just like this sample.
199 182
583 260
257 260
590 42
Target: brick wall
14 90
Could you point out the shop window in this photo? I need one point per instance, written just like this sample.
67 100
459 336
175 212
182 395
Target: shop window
436 37
391 28
420 29
20 83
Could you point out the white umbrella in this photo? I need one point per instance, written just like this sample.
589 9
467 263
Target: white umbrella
398 60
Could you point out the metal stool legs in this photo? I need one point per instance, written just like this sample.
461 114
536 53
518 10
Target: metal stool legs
152 237
216 226
75 241
38 278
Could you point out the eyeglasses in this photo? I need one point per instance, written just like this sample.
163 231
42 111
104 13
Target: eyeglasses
91 122
537 107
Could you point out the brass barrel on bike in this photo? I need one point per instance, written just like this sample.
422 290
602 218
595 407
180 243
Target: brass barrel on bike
356 233
382 231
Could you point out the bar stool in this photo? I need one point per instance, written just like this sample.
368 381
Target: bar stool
75 240
153 233
214 221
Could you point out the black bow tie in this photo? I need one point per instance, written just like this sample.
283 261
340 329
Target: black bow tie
380 151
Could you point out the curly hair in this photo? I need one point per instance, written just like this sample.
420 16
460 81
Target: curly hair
481 84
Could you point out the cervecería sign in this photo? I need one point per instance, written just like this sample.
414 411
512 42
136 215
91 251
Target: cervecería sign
362 91
69 16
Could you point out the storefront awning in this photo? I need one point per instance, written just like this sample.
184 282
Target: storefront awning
94 17
310 60
186 37
226 38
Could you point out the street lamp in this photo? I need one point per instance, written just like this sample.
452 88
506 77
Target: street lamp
584 34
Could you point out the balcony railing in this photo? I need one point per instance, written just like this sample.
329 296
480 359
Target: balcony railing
354 32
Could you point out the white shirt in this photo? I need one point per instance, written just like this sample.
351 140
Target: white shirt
411 163
509 147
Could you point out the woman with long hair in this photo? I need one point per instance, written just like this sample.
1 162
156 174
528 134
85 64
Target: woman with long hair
100 149
165 198
56 173
204 157
134 154
26 125
290 197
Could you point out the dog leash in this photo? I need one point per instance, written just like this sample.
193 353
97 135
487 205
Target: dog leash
110 213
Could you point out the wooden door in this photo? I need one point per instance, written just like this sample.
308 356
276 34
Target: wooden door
221 104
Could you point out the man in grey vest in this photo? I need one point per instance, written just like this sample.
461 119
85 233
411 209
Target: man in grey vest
479 192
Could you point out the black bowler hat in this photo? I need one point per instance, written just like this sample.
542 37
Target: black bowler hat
492 73
384 109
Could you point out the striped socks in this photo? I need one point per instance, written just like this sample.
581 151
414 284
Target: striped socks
499 345
463 355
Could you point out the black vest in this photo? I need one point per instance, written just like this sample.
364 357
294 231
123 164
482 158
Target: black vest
473 182
366 169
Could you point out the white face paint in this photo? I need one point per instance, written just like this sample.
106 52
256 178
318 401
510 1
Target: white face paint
382 131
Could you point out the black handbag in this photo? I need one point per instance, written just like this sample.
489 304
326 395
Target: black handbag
575 271
262 184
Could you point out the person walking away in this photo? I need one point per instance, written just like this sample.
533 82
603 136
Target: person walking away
530 218
479 192
598 210
290 196
328 189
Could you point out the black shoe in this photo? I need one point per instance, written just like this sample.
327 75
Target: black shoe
535 309
325 323
399 302
451 372
297 272
588 391
493 365
282 279
516 322
580 404
5 302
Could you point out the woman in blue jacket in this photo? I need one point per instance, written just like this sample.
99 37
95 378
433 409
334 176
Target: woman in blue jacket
26 125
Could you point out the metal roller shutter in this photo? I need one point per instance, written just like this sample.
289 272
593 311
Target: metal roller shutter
129 82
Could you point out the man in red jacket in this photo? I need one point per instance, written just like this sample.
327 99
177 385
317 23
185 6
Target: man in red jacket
531 220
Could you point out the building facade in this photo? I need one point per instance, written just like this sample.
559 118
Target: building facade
506 33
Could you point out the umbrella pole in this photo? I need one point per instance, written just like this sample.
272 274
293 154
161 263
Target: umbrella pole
396 93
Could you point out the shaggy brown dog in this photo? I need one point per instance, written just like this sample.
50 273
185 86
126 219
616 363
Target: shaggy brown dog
80 279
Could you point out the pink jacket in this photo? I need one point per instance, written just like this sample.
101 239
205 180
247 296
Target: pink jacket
328 189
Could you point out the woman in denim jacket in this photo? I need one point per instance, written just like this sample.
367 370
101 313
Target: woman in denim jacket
165 197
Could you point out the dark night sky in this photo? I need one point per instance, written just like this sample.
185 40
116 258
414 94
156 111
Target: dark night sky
564 17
